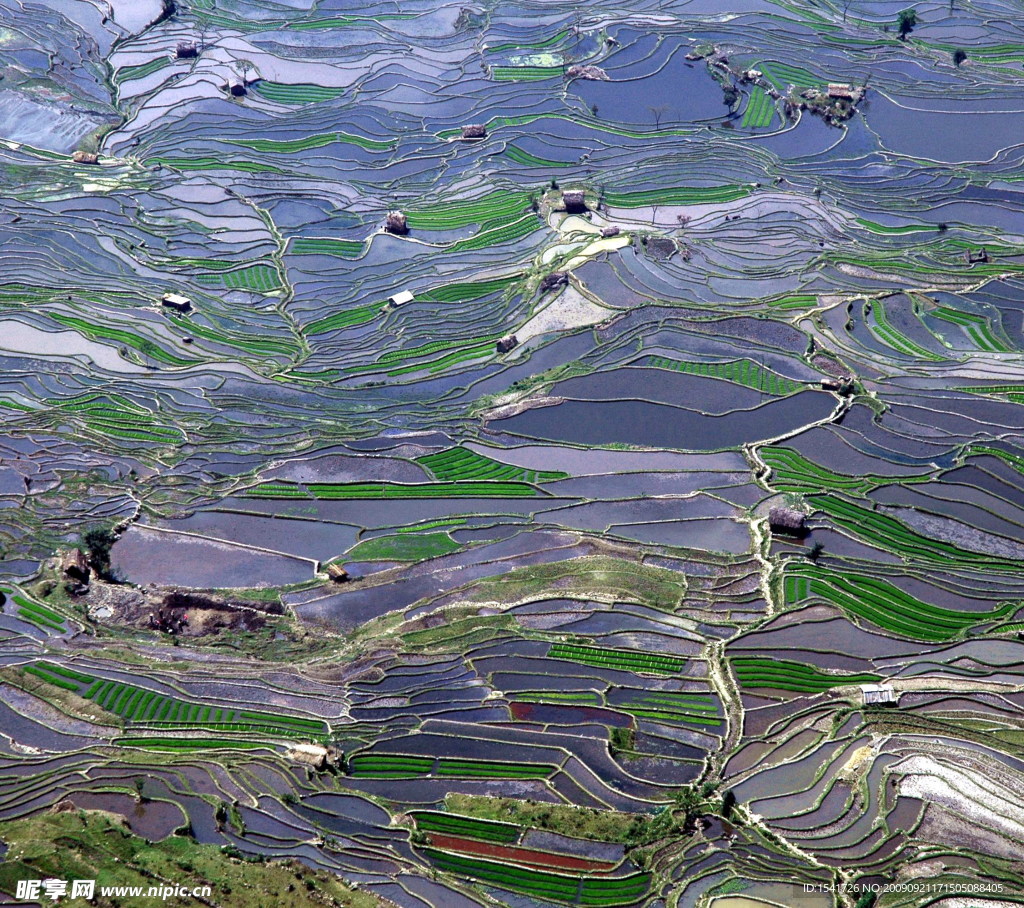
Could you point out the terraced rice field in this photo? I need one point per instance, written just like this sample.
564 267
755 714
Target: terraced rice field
372 501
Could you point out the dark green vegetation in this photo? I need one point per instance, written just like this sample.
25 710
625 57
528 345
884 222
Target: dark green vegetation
81 845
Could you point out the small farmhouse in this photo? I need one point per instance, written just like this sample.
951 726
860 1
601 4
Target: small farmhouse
176 301
400 298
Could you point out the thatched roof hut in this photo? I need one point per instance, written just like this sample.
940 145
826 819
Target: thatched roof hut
474 131
337 573
787 520
611 230
574 200
74 566
313 755
508 342
555 279
396 222
85 157
237 88
186 50
979 257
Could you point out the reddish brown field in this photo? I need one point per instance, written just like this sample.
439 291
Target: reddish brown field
524 856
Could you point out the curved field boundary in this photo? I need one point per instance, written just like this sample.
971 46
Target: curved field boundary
558 887
882 531
756 671
527 857
886 605
140 706
361 490
460 464
453 824
741 371
403 766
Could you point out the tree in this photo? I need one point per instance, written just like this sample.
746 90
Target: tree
140 783
815 552
906 22
658 112
959 55
728 805
98 541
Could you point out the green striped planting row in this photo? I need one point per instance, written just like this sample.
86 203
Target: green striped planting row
284 93
888 533
402 766
626 660
756 671
139 705
885 605
760 110
742 371
347 249
458 464
452 824
263 278
579 890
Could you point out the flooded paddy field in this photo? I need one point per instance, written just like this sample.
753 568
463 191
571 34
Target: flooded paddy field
536 455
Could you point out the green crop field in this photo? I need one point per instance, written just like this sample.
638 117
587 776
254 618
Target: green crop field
308 143
143 346
143 707
760 110
623 660
888 533
284 93
468 291
666 706
405 547
348 318
742 371
885 605
452 824
579 890
524 73
460 464
264 278
902 344
41 616
401 766
782 75
501 204
347 249
782 674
